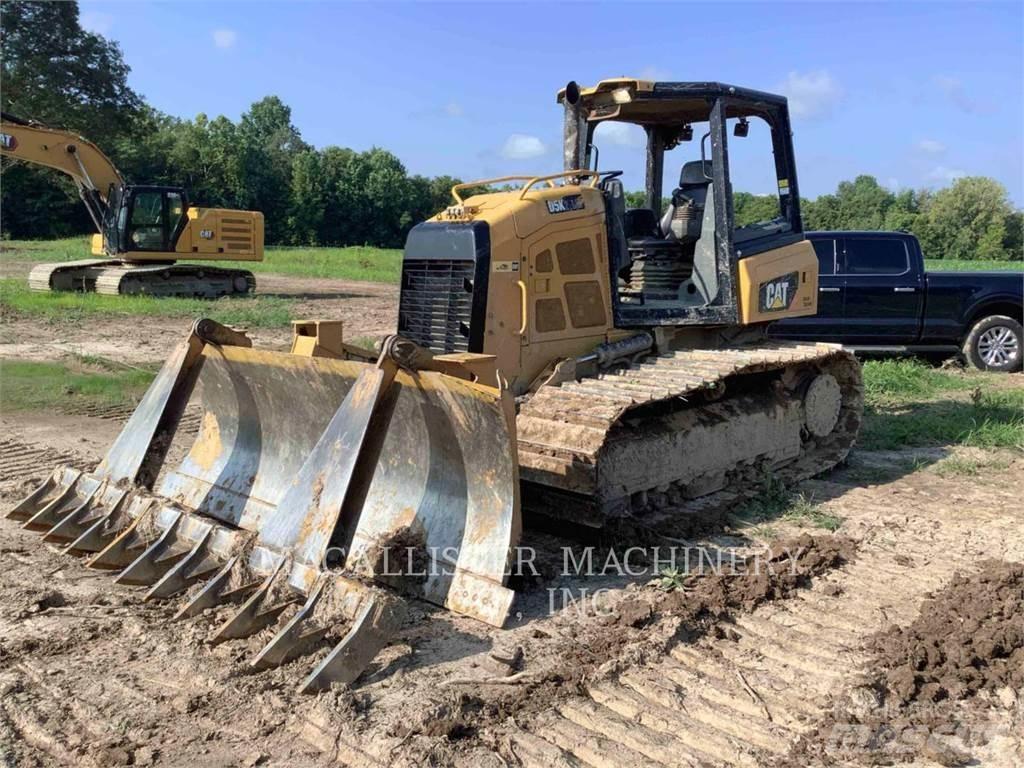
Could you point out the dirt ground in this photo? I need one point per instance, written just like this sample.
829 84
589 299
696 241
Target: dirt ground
894 640
368 310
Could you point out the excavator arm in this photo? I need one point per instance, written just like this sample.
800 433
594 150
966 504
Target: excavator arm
90 169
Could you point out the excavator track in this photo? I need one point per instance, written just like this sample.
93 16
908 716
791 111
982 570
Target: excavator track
114 278
680 425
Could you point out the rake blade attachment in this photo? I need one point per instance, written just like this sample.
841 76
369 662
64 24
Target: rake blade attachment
404 472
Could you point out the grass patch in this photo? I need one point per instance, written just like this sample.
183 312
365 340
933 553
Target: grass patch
45 386
778 503
961 466
65 307
359 263
963 265
900 380
911 404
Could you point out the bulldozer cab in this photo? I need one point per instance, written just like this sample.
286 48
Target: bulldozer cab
144 218
675 259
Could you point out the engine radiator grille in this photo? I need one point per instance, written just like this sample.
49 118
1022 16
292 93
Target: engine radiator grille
436 305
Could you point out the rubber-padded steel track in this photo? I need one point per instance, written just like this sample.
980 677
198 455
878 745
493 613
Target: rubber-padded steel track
573 438
114 278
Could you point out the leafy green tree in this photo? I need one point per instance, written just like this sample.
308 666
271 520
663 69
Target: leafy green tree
968 220
55 72
1013 242
750 209
306 212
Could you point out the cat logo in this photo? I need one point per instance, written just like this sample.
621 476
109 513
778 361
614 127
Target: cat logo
206 234
777 294
8 142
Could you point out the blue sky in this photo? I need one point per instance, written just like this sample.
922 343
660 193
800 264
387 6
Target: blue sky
915 94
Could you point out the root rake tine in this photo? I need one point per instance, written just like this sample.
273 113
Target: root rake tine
374 624
119 552
290 640
74 524
148 567
55 532
211 594
22 510
194 565
47 512
95 537
250 619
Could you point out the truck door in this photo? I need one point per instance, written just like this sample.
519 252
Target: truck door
884 291
826 325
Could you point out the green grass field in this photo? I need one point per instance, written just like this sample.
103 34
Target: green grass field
360 263
908 403
38 386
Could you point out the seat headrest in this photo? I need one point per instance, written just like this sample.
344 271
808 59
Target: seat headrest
694 173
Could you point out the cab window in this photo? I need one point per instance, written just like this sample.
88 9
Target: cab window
148 222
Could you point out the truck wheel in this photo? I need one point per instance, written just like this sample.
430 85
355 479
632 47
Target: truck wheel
995 344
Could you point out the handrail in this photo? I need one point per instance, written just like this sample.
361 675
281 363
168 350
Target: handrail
530 181
595 175
466 184
522 308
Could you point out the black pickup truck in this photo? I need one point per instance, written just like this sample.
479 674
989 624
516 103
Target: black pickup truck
874 295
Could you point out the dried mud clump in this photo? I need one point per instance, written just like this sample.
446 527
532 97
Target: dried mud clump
931 683
967 638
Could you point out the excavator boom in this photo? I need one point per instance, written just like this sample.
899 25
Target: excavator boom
92 171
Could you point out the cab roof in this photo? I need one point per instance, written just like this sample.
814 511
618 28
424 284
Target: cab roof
646 102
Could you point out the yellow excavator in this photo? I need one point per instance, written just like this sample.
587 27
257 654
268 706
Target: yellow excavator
141 231
555 351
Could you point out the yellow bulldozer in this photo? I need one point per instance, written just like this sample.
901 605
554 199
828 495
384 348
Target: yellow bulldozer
141 231
555 352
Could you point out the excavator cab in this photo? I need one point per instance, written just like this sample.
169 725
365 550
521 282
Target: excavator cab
682 263
144 218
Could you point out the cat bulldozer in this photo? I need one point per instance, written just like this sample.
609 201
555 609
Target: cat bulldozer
554 351
141 231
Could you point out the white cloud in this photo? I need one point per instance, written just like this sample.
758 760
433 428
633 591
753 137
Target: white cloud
100 23
811 94
954 89
453 110
931 146
224 38
620 134
944 174
892 184
521 146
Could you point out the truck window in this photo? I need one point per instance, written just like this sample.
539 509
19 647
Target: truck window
826 251
876 256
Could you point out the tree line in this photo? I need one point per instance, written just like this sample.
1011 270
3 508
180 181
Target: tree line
60 74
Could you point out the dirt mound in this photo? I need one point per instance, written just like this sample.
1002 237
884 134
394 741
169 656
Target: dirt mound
774 575
968 637
932 685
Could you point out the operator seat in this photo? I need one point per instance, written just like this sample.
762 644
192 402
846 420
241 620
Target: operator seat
685 213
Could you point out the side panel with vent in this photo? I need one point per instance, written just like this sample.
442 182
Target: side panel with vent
222 234
443 299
